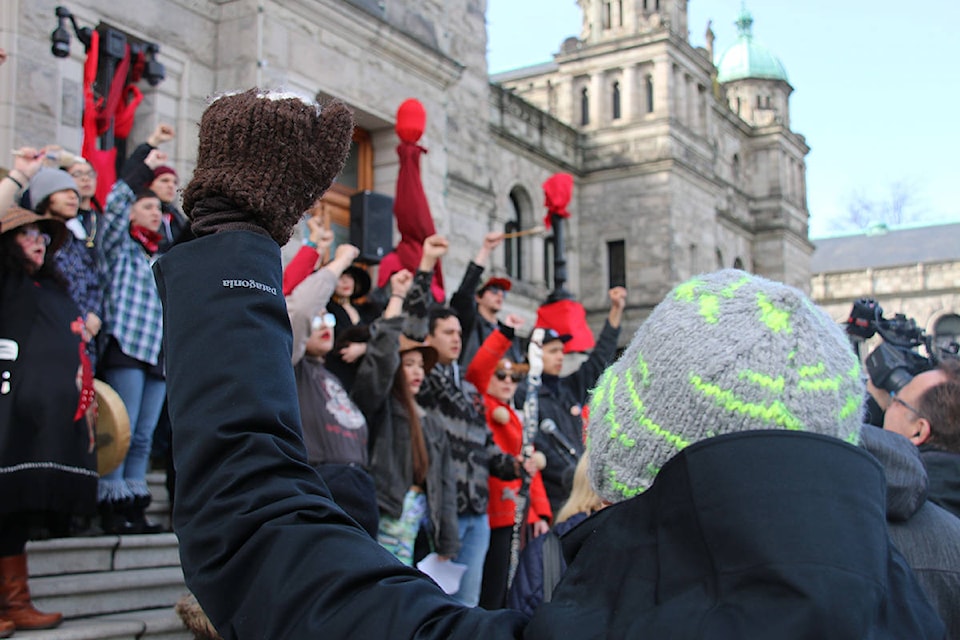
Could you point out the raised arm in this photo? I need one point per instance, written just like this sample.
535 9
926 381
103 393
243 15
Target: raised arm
264 548
26 162
583 379
310 297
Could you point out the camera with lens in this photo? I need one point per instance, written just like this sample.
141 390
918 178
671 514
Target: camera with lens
896 360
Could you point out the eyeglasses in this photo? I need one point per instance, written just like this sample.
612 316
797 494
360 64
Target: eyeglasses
323 320
35 234
503 375
79 175
895 398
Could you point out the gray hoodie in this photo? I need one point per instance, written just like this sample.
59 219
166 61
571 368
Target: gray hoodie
926 535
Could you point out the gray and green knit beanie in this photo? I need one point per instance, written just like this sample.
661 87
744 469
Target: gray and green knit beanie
724 352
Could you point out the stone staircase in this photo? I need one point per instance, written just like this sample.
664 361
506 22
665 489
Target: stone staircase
110 587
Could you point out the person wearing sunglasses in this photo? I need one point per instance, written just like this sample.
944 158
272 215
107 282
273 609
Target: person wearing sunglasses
499 376
47 460
334 429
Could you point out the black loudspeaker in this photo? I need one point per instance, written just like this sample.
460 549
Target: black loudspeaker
371 225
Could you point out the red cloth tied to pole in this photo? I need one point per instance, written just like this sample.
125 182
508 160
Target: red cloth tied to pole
567 316
557 191
126 108
118 108
410 206
103 162
562 313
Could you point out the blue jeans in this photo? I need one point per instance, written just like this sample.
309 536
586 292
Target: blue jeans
474 540
142 395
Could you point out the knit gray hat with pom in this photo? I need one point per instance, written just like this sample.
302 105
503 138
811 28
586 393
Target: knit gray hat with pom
724 352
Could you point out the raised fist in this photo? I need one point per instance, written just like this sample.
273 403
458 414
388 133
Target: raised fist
155 158
163 133
618 298
513 321
345 253
400 282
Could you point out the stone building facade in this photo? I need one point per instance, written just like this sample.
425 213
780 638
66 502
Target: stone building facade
912 271
680 165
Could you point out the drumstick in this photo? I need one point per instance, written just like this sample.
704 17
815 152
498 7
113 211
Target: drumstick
525 232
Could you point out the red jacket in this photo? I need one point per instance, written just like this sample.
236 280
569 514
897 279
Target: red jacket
299 268
509 437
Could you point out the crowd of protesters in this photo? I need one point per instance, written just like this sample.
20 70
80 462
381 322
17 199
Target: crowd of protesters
422 450
414 414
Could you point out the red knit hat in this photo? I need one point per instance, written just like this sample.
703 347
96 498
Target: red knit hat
159 171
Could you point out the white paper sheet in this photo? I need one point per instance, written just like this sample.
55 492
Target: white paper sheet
445 573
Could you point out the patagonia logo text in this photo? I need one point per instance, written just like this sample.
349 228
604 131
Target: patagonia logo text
249 284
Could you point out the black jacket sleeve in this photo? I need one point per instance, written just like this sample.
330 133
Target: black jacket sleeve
263 546
579 383
135 172
463 301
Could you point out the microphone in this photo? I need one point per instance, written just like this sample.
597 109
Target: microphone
549 427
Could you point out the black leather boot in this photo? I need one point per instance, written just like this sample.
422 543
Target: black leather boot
136 514
113 517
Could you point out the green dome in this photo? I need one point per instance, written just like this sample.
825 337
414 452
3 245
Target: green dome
747 58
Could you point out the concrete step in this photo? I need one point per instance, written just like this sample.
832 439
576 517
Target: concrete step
106 576
159 509
111 587
85 594
155 624
102 553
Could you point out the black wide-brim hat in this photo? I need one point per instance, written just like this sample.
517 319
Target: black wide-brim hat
16 217
361 281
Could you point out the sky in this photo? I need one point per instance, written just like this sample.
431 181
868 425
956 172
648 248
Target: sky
876 89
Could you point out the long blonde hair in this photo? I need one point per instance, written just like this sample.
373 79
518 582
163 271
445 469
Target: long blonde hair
583 499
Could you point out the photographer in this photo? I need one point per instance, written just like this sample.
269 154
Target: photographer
913 395
927 412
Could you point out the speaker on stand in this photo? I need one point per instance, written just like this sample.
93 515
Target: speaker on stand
371 225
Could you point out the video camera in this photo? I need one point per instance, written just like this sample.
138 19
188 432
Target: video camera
895 361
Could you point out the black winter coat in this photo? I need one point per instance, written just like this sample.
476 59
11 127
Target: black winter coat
45 460
263 546
791 545
391 456
754 535
561 400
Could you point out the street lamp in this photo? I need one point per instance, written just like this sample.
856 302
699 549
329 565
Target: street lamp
60 38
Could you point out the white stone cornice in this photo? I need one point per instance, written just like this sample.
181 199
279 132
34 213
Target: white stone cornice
380 38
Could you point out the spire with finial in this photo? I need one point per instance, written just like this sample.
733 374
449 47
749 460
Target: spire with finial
744 21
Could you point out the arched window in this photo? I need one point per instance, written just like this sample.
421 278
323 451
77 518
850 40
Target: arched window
737 263
512 247
719 259
584 106
735 167
649 90
616 100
